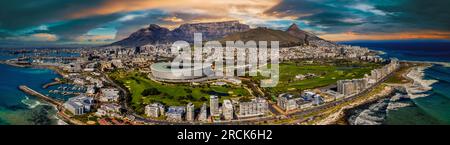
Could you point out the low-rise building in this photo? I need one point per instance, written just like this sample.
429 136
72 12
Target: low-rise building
79 105
90 90
317 99
109 95
253 108
288 102
175 113
108 110
154 110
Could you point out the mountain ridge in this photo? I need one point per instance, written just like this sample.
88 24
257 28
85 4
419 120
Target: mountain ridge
221 31
156 34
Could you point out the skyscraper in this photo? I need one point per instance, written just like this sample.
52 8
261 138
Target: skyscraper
203 115
227 110
190 112
214 105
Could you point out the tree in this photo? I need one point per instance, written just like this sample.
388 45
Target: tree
203 99
150 91
190 97
40 116
244 99
188 91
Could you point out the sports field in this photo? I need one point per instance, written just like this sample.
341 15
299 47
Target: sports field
319 75
171 94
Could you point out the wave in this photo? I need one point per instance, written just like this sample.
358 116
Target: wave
420 86
436 108
375 114
31 103
438 78
59 121
398 101
441 69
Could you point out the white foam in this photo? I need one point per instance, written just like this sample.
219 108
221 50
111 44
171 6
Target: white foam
420 86
394 105
30 103
60 121
370 116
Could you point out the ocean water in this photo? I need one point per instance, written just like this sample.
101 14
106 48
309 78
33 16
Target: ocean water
16 107
432 109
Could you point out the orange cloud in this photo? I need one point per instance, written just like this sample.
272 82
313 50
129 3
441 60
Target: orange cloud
38 37
348 36
173 19
95 38
211 7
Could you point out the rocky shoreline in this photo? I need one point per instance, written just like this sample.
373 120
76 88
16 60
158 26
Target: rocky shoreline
400 91
341 116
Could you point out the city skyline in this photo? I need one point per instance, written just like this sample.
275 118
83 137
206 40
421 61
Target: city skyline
60 23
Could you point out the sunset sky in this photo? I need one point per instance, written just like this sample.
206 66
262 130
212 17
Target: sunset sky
74 22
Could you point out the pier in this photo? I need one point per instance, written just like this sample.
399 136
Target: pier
40 96
56 81
59 104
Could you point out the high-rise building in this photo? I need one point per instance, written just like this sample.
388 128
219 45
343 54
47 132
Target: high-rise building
227 110
190 112
214 105
349 87
203 115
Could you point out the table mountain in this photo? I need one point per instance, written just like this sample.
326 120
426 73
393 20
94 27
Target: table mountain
265 34
156 34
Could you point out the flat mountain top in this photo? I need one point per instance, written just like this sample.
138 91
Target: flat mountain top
265 34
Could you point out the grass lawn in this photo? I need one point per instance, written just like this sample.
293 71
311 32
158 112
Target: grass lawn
172 94
325 74
398 78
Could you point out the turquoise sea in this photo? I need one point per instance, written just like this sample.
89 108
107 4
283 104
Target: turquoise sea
17 107
432 109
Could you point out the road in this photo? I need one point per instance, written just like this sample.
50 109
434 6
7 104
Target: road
139 118
335 103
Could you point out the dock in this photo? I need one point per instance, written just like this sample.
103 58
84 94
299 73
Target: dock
40 96
56 82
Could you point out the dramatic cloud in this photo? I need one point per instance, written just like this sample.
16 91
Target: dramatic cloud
104 21
35 37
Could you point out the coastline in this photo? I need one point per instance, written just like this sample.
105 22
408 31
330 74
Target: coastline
415 74
53 68
413 89
59 119
419 85
339 117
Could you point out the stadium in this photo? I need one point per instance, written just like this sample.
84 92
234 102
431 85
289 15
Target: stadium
163 71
